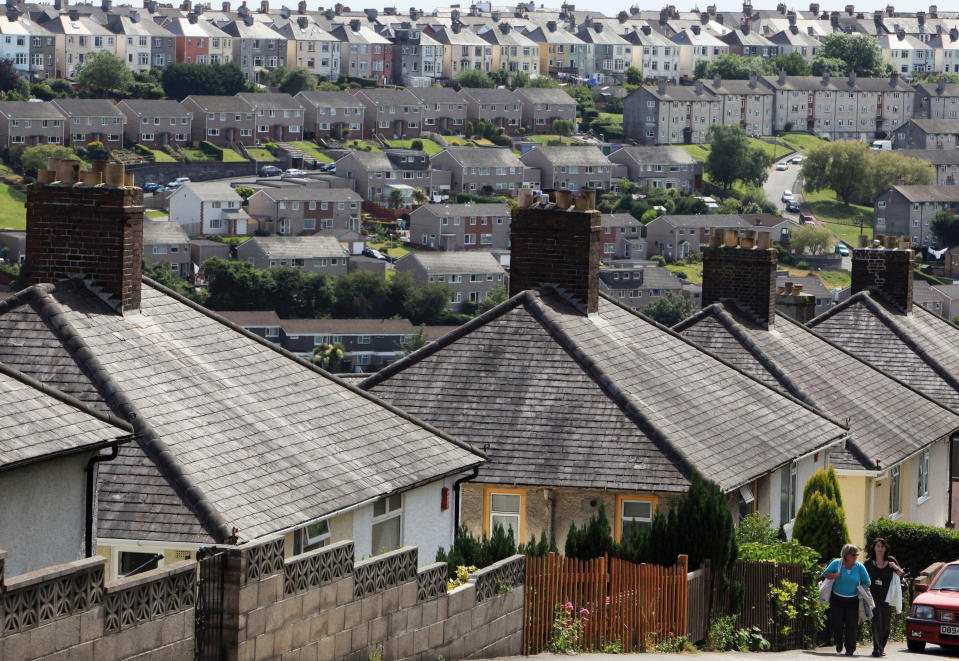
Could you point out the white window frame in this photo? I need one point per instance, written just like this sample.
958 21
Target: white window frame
895 492
922 480
392 510
503 514
643 521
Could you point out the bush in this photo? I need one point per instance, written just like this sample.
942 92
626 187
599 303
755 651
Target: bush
592 540
659 259
914 545
477 552
756 528
417 145
142 150
821 522
208 147
802 265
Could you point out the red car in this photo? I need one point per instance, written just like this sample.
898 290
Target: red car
934 614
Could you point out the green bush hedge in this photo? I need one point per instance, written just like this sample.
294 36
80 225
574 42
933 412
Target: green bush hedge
914 545
142 150
209 148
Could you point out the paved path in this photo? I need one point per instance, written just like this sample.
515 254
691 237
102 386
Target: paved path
894 652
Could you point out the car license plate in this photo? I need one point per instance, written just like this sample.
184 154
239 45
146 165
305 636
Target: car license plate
948 630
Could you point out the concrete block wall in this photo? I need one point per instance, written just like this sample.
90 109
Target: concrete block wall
321 606
67 612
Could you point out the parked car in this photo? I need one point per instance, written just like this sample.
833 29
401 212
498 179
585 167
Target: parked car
782 165
152 187
372 252
842 250
932 616
797 159
293 172
788 196
328 167
270 171
179 181
792 206
805 218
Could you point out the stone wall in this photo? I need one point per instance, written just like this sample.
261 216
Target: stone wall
163 173
66 611
322 606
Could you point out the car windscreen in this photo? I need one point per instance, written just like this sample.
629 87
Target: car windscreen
948 579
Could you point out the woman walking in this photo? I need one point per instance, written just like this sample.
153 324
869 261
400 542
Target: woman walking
847 574
881 567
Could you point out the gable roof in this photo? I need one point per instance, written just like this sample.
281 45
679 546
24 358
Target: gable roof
163 231
302 247
920 348
87 107
928 193
610 400
482 157
212 103
643 154
795 360
329 99
568 155
454 261
242 432
29 110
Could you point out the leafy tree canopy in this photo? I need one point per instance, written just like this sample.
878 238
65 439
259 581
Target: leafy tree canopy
180 80
670 309
298 79
474 78
812 240
860 52
104 72
731 157
945 227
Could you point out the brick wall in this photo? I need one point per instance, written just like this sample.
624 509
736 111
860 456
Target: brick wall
95 232
67 612
322 606
886 270
746 275
559 247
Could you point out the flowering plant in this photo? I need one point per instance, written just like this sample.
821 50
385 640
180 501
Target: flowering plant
568 625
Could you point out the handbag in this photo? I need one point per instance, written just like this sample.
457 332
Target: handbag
825 590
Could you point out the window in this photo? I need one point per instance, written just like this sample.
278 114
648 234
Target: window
788 481
273 331
313 536
633 513
895 506
387 523
922 483
363 339
505 507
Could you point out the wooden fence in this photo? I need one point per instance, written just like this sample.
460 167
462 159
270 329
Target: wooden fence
698 589
624 602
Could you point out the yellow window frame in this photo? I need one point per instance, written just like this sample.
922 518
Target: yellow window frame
620 499
487 510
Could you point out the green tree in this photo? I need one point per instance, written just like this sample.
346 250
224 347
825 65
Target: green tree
834 65
245 192
812 240
426 304
396 198
500 77
633 76
180 80
886 167
161 273
732 158
945 227
859 51
298 79
792 63
474 78
417 145
15 86
468 130
670 309
420 196
593 539
756 528
35 158
840 166
753 200
735 67
96 151
562 126
821 522
542 82
363 295
329 356
415 341
519 79
104 72
496 295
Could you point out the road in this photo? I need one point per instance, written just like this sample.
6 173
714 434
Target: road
894 652
779 181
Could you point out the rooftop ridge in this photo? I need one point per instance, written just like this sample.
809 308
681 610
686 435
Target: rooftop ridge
332 377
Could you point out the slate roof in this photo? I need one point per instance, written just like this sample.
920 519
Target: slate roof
545 95
467 209
163 231
454 261
932 89
810 285
936 125
210 103
29 110
234 431
679 93
37 424
568 155
610 400
329 99
438 95
295 192
795 360
928 193
703 220
619 220
302 247
919 348
275 101
644 154
87 108
483 157
155 107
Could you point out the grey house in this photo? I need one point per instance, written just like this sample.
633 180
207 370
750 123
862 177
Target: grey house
222 120
485 170
927 134
460 226
156 123
676 236
937 101
391 113
944 161
317 254
544 105
670 114
638 286
297 210
165 241
660 167
375 174
469 274
28 123
502 107
621 237
331 115
444 109
277 117
92 120
571 168
256 47
908 210
745 103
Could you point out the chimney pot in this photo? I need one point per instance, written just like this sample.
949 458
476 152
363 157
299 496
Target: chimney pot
729 262
814 8
355 24
696 29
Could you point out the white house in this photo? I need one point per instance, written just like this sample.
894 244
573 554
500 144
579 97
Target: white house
209 207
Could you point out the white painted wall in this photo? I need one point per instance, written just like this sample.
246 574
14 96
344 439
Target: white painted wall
934 510
807 466
42 513
425 525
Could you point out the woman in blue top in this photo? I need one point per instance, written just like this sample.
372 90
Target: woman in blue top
847 574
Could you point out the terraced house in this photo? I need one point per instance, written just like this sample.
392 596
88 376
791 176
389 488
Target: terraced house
391 113
512 51
222 120
561 51
28 123
469 274
314 254
310 46
444 109
487 170
571 168
92 120
256 47
671 114
331 114
502 107
464 50
276 116
156 123
363 52
543 106
461 226
297 210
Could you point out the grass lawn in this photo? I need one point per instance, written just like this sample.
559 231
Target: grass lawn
232 156
483 142
430 147
545 139
311 149
397 251
13 213
609 117
261 155
197 155
458 142
834 279
841 219
156 213
694 272
699 152
800 141
361 144
162 157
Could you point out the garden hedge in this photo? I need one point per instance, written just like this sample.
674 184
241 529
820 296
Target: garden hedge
914 545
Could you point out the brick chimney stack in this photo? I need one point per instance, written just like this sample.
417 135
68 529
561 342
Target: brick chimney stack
792 302
742 269
886 267
87 225
557 243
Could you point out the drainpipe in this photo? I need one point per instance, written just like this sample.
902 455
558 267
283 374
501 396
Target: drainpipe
114 451
457 496
952 439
